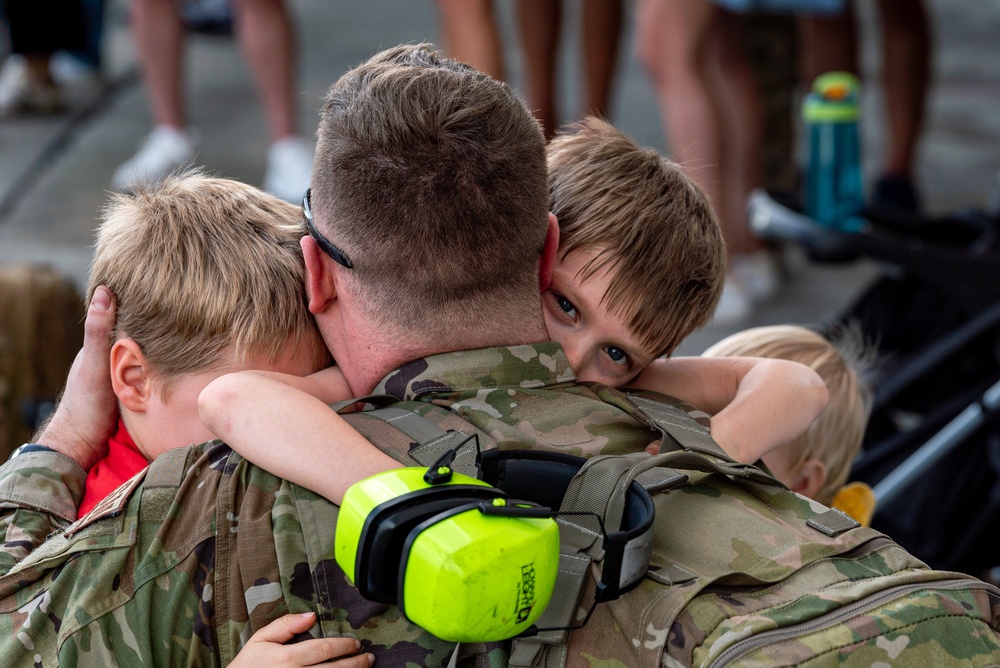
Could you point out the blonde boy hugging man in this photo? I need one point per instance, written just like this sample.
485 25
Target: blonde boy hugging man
207 274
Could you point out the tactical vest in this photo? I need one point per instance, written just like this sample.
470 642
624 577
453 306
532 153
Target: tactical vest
740 570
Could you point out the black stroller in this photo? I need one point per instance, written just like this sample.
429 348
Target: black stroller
932 448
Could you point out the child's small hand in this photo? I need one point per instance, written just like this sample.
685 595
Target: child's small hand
267 647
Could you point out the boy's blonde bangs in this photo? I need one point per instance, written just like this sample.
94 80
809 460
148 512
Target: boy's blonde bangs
204 267
653 225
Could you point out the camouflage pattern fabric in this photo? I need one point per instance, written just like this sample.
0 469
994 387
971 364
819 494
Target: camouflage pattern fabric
738 578
203 549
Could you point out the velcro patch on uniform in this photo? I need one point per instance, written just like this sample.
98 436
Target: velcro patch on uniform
670 575
111 505
833 522
167 470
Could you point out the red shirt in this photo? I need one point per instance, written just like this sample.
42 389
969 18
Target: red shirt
121 463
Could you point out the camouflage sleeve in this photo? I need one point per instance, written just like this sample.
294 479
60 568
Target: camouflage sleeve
39 493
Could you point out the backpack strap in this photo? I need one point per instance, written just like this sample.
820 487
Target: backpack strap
599 488
682 434
430 440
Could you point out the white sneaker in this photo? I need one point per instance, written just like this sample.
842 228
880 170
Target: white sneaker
164 150
20 92
758 274
735 306
289 168
68 72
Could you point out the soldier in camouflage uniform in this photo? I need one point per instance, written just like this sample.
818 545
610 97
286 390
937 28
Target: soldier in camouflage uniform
429 199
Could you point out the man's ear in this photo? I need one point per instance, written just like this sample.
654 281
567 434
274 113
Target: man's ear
321 288
548 258
809 478
130 375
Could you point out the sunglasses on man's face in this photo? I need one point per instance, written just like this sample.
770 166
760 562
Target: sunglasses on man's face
339 256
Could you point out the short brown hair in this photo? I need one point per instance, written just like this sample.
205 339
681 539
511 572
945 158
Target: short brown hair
652 224
203 266
835 436
431 176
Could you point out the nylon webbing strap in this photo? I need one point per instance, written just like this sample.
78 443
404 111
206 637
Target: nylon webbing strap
464 650
432 441
677 427
600 487
408 422
660 479
562 606
680 427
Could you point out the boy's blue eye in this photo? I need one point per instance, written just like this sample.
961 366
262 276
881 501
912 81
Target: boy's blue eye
566 305
616 354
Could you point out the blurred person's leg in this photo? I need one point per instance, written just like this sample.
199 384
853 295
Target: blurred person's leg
470 34
158 35
708 100
82 67
266 36
672 38
35 31
91 54
268 41
675 40
752 265
771 43
906 49
741 166
829 44
539 24
600 38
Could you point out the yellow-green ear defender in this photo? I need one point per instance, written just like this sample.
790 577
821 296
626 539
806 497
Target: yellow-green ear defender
470 562
460 559
378 513
479 572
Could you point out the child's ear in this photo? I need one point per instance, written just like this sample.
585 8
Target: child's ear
548 259
809 478
130 375
320 286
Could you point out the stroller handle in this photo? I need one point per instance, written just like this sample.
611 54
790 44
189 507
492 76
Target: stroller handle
964 274
775 222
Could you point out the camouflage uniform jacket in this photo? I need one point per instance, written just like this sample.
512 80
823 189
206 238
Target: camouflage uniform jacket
186 561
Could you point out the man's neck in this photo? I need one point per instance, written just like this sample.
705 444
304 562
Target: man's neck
365 366
367 350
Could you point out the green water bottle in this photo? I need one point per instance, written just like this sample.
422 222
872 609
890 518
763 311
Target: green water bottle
834 195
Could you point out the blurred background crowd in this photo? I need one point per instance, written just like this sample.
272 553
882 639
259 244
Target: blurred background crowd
715 84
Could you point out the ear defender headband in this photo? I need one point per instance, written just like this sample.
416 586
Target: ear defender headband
474 560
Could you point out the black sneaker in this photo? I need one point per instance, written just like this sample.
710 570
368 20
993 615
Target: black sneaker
894 195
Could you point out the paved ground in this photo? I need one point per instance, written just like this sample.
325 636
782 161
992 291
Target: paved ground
53 171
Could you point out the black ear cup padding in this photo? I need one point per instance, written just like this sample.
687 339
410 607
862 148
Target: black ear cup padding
535 475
